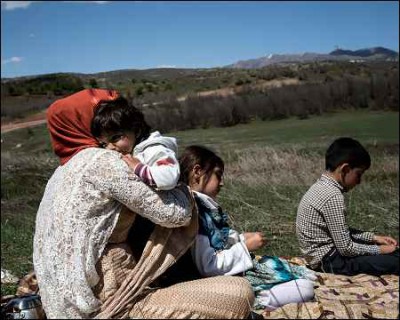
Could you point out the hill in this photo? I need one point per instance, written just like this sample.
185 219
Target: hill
368 52
362 55
181 99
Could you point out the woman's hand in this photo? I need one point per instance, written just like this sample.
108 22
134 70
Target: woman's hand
130 160
254 240
385 240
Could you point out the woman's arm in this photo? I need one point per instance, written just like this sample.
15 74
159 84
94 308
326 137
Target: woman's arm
112 176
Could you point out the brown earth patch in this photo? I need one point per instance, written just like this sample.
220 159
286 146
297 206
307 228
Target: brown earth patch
30 121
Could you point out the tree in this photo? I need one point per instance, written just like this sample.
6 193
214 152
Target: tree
93 83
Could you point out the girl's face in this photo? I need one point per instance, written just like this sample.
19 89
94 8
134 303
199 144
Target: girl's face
123 142
212 185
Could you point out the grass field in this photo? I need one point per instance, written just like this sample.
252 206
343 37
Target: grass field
269 166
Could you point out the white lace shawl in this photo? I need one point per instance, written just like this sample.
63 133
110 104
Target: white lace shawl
78 212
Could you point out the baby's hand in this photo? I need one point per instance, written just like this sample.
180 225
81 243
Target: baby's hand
254 240
130 160
385 240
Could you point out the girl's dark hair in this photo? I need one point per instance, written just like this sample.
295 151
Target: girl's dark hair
346 150
202 156
119 116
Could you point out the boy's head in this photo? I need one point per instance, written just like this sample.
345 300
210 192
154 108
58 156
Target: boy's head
347 160
118 125
202 170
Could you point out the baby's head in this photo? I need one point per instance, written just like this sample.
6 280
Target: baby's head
118 125
202 170
347 160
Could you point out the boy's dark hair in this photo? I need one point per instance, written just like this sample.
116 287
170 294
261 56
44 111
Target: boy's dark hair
119 116
346 150
202 156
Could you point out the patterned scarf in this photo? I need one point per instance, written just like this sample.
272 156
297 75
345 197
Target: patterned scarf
269 271
213 222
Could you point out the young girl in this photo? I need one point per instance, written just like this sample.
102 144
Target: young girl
220 250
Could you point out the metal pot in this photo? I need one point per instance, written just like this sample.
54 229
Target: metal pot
24 307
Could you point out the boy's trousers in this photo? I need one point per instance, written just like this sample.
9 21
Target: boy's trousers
373 265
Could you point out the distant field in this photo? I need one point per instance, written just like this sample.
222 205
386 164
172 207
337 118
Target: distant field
368 127
269 166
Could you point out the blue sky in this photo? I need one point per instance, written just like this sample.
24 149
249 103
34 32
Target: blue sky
93 36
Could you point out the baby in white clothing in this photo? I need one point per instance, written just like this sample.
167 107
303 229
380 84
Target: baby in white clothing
118 126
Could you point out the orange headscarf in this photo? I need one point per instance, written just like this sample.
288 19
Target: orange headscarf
69 120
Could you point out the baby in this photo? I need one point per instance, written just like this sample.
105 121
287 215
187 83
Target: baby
152 156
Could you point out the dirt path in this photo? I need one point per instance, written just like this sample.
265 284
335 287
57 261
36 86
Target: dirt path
14 126
31 121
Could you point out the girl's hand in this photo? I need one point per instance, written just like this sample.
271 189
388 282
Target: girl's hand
254 240
385 240
130 160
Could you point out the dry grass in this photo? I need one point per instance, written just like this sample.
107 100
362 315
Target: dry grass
272 166
263 186
294 165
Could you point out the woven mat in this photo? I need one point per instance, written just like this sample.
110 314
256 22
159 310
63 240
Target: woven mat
343 297
336 297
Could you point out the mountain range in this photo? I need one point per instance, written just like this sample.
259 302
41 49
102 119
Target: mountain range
361 55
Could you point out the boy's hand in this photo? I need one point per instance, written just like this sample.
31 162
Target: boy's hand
387 248
385 240
254 240
130 160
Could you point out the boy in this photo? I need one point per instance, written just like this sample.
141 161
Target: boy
154 156
324 237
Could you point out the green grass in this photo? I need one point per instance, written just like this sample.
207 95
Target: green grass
269 166
368 127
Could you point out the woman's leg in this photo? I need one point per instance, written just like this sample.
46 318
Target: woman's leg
295 291
222 297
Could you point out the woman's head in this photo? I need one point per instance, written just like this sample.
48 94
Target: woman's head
69 120
202 170
118 125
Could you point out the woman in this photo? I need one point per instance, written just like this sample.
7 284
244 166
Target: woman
84 267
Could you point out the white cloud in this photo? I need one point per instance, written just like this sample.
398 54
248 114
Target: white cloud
165 66
12 60
11 5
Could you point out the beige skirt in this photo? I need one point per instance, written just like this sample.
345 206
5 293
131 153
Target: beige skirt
222 297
